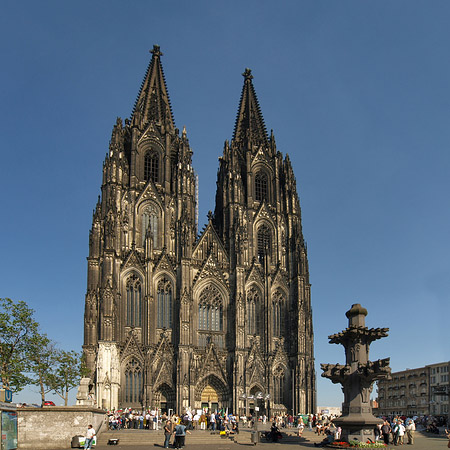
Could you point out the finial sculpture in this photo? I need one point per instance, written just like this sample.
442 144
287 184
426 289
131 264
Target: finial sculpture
357 375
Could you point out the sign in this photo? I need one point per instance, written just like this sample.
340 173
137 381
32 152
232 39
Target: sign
9 430
5 395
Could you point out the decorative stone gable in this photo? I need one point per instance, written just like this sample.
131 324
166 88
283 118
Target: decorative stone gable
165 264
211 270
212 364
210 243
133 260
264 212
280 279
150 192
161 361
255 275
255 366
132 347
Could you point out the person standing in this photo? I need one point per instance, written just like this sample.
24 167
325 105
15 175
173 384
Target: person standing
89 437
410 429
168 431
180 435
212 421
386 431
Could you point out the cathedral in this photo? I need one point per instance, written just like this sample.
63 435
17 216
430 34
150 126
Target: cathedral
176 318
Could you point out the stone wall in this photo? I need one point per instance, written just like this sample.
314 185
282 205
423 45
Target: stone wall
52 427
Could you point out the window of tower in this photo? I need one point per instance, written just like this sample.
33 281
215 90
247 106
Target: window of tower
164 304
261 186
133 382
277 314
253 302
278 386
210 316
150 224
210 309
264 242
134 302
151 166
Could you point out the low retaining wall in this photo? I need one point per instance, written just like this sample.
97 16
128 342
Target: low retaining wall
52 427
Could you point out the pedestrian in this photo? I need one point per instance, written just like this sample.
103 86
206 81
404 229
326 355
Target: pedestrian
386 431
89 437
180 435
168 431
410 429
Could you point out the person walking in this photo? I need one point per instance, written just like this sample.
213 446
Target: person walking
89 438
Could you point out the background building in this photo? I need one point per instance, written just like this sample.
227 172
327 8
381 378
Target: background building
413 392
439 388
174 319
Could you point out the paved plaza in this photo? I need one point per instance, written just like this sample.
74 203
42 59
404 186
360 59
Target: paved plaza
200 440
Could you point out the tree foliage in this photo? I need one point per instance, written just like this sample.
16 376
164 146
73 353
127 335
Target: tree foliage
66 375
30 357
42 361
18 329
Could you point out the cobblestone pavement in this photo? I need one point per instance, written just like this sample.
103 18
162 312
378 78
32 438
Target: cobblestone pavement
422 442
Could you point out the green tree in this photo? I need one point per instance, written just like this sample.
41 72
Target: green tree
17 330
42 361
70 367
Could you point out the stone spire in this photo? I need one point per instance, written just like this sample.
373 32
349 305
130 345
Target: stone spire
249 129
153 103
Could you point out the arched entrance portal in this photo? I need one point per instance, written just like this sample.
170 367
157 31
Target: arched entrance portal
210 399
212 393
256 403
165 398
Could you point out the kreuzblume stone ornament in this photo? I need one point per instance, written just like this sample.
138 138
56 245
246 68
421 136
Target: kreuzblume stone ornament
357 375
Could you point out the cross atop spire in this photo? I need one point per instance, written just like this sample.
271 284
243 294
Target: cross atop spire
249 129
153 103
156 51
247 74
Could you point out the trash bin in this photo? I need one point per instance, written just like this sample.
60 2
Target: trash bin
77 442
256 437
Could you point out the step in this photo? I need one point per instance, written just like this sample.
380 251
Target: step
149 437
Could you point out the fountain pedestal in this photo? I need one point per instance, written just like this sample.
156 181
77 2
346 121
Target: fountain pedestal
357 376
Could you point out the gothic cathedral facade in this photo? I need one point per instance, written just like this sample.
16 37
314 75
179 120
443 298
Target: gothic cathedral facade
176 319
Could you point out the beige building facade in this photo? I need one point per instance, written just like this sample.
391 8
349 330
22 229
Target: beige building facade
416 392
175 318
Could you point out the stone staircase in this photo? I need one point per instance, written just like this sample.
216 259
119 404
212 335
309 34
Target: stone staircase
152 437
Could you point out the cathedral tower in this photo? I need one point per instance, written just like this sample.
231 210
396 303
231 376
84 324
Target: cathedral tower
175 320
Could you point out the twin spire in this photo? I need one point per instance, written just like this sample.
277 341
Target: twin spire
249 128
153 105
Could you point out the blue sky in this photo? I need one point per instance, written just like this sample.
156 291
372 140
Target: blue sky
357 92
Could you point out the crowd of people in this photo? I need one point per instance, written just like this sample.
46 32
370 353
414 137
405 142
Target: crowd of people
394 430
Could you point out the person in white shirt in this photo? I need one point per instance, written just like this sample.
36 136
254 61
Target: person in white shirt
410 429
89 437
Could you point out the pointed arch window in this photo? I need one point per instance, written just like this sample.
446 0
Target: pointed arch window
164 303
278 386
151 166
210 310
277 314
264 242
150 219
253 304
134 302
133 382
261 186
